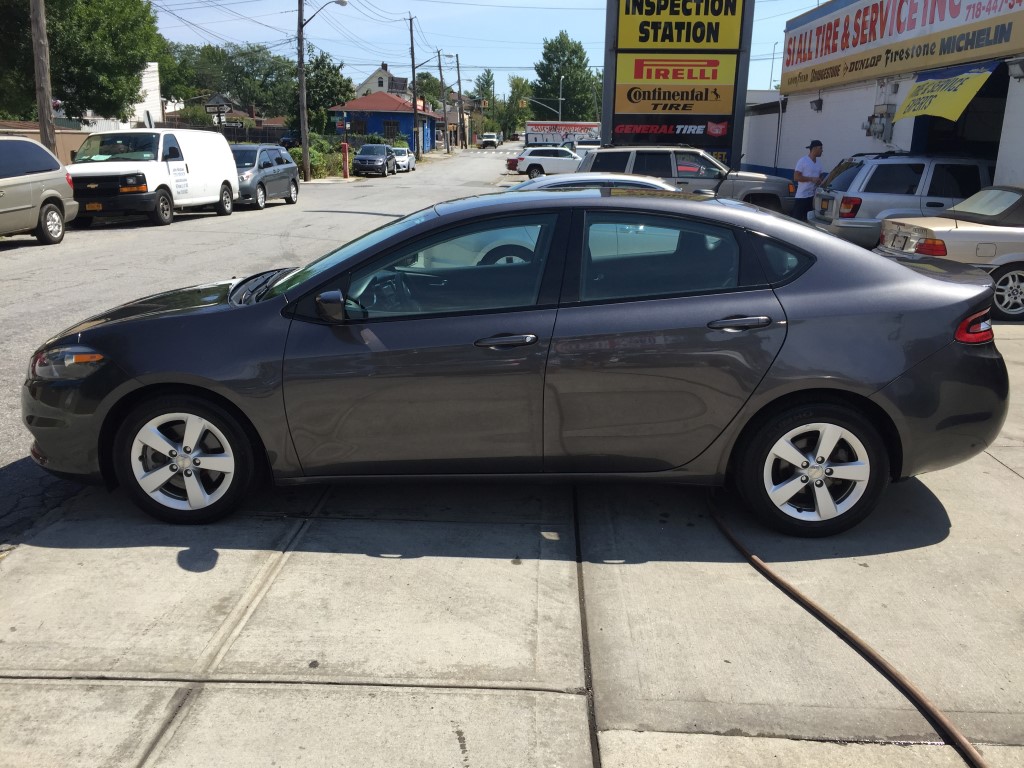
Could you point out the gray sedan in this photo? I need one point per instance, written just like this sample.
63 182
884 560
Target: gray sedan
579 334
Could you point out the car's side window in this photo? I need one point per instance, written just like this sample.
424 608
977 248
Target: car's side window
23 158
172 151
895 178
264 160
954 180
281 157
781 263
653 164
492 265
610 162
633 255
690 164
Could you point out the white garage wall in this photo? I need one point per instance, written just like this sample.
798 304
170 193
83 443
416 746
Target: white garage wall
1010 164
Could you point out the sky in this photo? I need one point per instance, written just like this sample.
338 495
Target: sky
500 35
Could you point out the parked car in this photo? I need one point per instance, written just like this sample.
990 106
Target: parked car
592 181
265 172
489 140
534 161
36 192
986 230
291 139
864 189
511 163
153 171
375 158
691 169
405 159
631 335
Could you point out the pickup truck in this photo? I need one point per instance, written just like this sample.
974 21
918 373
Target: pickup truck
489 140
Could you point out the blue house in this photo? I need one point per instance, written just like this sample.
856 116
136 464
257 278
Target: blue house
391 116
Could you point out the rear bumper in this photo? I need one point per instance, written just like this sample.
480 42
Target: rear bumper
949 407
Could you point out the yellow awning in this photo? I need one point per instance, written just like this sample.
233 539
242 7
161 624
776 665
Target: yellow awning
945 92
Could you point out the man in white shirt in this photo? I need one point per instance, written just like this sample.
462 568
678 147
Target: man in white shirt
808 177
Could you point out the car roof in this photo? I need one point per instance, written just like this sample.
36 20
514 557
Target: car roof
563 178
255 146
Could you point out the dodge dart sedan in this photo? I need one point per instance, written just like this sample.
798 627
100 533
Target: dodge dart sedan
584 334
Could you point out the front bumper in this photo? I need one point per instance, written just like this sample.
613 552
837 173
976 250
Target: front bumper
135 202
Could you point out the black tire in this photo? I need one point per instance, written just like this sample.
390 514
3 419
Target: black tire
534 171
225 203
1008 302
797 505
293 193
50 229
221 440
507 253
385 173
260 198
163 209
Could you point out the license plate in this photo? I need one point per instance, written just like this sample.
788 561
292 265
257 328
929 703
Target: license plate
824 206
899 242
94 206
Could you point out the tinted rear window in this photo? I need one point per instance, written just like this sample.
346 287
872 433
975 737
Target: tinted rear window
20 158
610 162
842 175
895 178
954 180
653 164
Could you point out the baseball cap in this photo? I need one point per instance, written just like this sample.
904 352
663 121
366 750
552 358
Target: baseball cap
814 143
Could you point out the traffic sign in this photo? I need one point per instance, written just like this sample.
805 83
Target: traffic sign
233 123
213 109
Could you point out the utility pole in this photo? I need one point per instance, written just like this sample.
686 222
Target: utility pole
444 106
415 106
41 55
462 114
303 117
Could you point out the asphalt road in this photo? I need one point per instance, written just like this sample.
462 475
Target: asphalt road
462 624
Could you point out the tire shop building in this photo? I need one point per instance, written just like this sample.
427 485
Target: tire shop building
921 76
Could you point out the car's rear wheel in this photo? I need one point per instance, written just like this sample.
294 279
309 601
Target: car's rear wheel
183 459
261 197
50 229
813 470
163 210
1008 303
534 171
385 173
293 193
225 202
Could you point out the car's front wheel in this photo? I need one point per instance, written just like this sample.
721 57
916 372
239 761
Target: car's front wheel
50 229
260 201
163 210
1008 303
813 470
183 459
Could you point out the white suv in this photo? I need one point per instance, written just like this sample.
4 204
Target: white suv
535 161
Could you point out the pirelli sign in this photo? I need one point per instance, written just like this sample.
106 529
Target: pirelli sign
678 73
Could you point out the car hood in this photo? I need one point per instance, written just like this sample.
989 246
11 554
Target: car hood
196 298
108 168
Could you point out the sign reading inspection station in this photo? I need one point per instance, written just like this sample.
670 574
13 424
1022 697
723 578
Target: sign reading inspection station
673 77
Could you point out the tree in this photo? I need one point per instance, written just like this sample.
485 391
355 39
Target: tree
255 77
98 52
518 108
428 88
326 86
563 56
193 114
483 86
178 78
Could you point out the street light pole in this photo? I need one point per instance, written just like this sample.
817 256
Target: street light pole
560 79
303 116
771 70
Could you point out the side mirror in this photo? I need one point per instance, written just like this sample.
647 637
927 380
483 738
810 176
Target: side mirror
172 153
74 154
266 164
330 306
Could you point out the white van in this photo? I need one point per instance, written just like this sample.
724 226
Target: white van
153 171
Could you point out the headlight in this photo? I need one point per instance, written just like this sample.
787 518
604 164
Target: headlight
136 182
70 362
247 175
378 162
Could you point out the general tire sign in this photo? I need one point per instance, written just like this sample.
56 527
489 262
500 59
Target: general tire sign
678 75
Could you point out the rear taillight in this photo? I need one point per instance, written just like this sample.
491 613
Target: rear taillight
792 189
976 329
848 207
928 246
71 183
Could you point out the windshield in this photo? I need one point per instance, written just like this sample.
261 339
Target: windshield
371 149
102 147
401 152
289 280
244 158
987 202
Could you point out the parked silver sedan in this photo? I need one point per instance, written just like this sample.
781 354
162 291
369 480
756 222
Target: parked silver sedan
405 160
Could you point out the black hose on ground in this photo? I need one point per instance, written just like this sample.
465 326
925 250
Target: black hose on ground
942 725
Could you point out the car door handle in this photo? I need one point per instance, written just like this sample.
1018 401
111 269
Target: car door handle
507 340
935 205
740 323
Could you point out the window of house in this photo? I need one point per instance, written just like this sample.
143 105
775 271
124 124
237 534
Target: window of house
390 129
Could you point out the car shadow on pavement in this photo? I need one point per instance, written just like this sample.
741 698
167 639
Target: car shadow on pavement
617 522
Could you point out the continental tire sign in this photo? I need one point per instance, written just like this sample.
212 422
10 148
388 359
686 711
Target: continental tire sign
674 74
